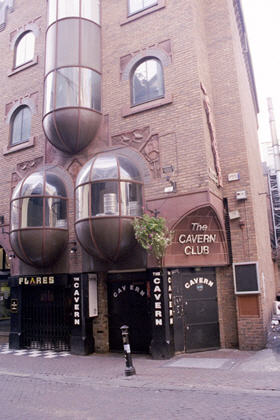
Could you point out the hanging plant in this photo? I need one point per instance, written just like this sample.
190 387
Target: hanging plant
153 235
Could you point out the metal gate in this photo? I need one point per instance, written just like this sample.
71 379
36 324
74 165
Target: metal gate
196 324
46 318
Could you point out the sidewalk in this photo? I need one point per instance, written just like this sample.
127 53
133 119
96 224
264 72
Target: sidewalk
223 370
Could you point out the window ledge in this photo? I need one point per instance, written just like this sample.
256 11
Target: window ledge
11 149
137 15
126 110
24 66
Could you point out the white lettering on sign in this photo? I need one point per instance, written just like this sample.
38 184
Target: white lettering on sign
170 302
199 280
131 287
197 239
158 304
196 250
157 296
38 280
77 297
192 240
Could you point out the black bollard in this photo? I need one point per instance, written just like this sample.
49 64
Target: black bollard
129 368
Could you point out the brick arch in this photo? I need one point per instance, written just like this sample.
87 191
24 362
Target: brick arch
27 101
30 27
158 53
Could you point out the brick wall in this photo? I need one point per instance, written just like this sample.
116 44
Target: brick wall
204 57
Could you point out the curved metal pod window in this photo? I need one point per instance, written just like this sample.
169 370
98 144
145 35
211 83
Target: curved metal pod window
39 229
72 102
108 196
90 9
73 87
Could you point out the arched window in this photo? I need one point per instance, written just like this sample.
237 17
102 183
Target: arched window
136 6
20 125
147 81
24 49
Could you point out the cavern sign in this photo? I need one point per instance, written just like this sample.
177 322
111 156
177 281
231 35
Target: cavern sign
77 300
198 240
158 298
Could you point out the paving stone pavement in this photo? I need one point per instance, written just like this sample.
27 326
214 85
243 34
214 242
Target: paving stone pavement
48 354
220 385
223 384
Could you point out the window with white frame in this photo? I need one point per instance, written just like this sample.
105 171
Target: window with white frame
25 49
135 6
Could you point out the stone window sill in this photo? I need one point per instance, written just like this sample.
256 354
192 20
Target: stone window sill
11 149
24 66
137 15
126 110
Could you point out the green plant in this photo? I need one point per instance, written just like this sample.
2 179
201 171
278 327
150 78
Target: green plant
153 234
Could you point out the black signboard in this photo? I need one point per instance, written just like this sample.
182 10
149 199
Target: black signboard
246 279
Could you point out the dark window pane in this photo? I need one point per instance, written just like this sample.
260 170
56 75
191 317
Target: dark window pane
33 185
128 170
21 125
105 167
147 82
32 212
55 213
104 199
131 199
54 185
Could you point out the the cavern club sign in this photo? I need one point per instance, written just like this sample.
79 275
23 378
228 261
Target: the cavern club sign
199 240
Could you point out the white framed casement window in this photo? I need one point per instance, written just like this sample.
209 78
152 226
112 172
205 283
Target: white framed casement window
25 48
135 6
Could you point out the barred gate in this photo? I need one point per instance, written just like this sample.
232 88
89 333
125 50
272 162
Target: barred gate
46 318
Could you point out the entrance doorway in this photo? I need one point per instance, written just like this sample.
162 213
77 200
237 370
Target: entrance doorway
129 304
196 322
46 318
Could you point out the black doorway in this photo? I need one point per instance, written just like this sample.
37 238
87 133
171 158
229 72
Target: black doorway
196 322
129 304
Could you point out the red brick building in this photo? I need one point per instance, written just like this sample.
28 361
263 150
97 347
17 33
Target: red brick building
109 108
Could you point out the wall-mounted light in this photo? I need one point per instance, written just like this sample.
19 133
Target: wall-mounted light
11 256
73 248
172 187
